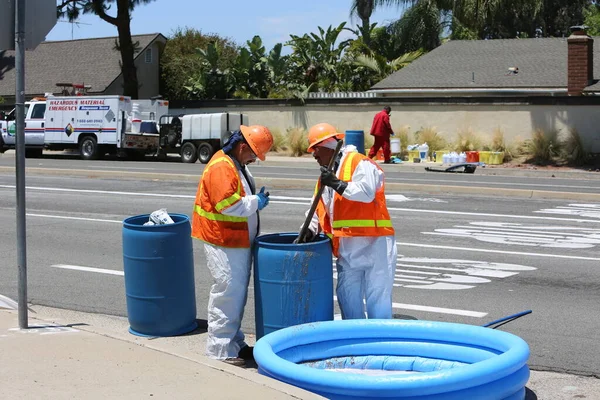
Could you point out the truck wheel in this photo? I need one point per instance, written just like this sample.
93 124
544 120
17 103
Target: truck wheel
205 152
88 148
189 153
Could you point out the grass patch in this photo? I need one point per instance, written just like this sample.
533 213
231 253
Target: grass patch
467 140
573 151
279 141
543 147
433 139
297 139
500 145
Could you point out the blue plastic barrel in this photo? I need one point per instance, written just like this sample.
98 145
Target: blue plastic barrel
356 138
293 283
158 263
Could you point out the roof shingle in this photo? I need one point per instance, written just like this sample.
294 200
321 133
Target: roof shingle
92 62
472 64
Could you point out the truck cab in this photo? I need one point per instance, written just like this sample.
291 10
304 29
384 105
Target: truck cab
34 128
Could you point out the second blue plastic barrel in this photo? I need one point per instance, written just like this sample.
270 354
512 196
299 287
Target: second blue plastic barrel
158 262
293 283
356 138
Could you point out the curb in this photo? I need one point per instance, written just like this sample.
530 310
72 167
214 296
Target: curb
295 183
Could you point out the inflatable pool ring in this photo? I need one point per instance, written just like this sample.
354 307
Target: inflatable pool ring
403 360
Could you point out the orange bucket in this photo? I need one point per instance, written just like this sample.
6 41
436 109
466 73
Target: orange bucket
472 156
379 156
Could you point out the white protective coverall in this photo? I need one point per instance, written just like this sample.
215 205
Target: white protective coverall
230 268
366 264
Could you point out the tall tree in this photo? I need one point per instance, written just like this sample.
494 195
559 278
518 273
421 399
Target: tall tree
122 21
364 9
181 60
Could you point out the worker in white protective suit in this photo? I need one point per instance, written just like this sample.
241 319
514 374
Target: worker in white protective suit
353 213
226 219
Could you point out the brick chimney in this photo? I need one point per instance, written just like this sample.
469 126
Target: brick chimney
580 68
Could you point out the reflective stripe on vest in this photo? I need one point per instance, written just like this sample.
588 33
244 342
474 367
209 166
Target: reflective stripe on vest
209 224
218 217
364 223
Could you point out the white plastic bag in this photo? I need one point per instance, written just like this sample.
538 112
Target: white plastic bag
161 217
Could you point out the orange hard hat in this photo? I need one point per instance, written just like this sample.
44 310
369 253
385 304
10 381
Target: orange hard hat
259 138
321 132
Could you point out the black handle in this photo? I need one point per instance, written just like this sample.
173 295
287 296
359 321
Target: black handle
313 207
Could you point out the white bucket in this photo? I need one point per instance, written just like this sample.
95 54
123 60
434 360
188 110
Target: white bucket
395 145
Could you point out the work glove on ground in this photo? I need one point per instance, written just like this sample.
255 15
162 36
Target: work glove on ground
328 178
263 198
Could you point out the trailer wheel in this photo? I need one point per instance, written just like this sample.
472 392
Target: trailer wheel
205 152
189 153
88 148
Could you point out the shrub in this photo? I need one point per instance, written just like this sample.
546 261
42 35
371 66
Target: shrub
405 139
279 140
543 147
297 139
573 151
369 141
430 136
467 141
499 144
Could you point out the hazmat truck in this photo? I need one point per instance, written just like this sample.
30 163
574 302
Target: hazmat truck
95 125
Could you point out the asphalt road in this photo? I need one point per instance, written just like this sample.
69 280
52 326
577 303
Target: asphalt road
462 258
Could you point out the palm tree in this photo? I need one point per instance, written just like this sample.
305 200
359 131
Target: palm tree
381 67
364 9
473 15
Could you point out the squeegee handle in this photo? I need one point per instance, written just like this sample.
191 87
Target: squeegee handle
313 207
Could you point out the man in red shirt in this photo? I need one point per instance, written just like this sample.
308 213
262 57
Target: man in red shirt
381 130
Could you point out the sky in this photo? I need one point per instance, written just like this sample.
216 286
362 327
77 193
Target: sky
240 20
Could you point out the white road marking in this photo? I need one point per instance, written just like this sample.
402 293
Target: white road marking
415 273
88 269
518 253
472 214
567 237
306 201
439 310
73 218
511 184
581 210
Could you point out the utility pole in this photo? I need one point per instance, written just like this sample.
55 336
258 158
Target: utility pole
20 159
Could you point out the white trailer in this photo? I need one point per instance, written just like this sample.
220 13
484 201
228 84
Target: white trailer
197 136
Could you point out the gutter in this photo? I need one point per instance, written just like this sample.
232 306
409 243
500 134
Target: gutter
489 91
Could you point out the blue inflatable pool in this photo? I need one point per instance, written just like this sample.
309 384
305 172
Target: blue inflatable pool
397 359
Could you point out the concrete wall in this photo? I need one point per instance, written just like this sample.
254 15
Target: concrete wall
517 121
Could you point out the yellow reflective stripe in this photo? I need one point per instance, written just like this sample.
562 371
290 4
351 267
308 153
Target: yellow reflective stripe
362 223
236 196
347 173
228 201
218 217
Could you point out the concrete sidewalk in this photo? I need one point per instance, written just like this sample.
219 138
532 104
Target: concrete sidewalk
68 354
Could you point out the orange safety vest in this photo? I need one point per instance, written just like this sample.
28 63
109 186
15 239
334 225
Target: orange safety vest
351 218
220 187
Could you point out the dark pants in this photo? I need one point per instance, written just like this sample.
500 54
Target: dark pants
381 142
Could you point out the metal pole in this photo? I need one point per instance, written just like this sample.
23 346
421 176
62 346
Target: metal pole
20 159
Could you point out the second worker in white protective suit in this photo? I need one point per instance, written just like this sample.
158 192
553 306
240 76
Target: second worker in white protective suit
353 213
226 219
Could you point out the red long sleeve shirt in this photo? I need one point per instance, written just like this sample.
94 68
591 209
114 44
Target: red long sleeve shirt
381 125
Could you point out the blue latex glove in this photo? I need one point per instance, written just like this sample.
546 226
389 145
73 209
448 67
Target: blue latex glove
263 198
